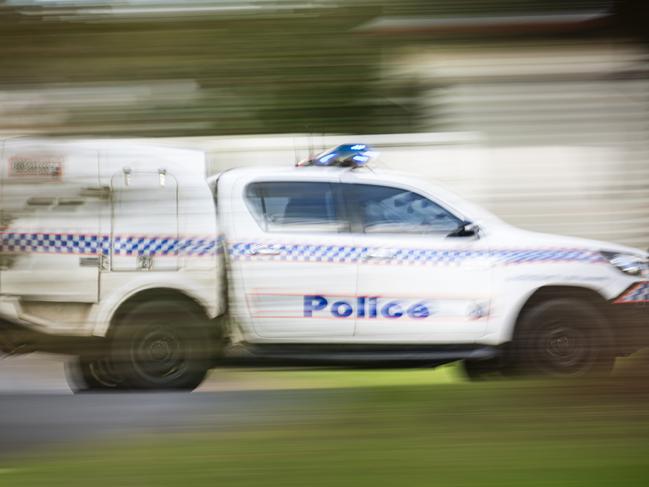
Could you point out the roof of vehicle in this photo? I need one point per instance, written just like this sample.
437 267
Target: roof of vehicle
315 172
323 173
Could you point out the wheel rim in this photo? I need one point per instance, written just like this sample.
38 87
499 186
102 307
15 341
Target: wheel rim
564 349
159 355
103 371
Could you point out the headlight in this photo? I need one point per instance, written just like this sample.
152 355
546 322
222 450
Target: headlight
631 265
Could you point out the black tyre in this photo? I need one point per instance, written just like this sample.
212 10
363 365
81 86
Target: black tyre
478 370
90 374
162 345
563 338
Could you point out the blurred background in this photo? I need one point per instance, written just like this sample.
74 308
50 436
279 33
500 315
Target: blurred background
538 110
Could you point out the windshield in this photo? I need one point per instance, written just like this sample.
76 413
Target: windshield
471 211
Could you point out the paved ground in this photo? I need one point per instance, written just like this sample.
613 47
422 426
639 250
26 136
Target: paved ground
35 373
38 410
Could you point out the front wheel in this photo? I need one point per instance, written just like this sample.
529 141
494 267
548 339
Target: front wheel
162 345
563 338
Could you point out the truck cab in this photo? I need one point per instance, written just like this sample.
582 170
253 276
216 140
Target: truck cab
330 255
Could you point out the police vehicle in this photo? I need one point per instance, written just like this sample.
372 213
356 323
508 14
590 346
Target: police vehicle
129 258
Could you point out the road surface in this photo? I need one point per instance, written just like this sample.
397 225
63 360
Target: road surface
39 412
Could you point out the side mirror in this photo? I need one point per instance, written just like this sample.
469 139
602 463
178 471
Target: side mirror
466 229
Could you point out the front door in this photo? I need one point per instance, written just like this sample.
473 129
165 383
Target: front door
292 261
416 284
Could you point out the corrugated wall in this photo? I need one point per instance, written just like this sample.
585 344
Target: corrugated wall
564 131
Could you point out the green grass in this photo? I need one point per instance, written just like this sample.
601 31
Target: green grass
328 378
388 434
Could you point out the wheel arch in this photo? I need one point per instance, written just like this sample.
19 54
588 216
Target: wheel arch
547 293
155 294
113 311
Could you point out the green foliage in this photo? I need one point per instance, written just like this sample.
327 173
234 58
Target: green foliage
289 66
288 72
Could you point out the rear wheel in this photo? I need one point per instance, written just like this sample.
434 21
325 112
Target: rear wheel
563 338
162 345
92 374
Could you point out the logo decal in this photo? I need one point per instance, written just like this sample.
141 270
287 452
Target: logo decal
42 167
370 307
274 304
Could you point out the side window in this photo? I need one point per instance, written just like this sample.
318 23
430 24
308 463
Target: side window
384 209
296 207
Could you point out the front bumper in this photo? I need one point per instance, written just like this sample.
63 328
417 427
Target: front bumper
629 313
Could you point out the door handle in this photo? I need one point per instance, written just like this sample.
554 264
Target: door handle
98 261
380 254
265 250
89 261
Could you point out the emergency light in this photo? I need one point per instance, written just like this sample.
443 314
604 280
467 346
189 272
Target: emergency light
346 155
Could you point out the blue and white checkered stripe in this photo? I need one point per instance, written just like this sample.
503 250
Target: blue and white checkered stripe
143 245
337 253
524 256
200 246
298 252
637 294
89 244
52 243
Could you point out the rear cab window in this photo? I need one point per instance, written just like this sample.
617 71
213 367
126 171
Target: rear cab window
297 206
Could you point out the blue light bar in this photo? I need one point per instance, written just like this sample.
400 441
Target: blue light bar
346 155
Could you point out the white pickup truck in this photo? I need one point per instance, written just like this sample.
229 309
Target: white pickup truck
129 258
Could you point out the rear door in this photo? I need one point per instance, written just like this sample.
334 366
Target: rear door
293 271
144 221
50 229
